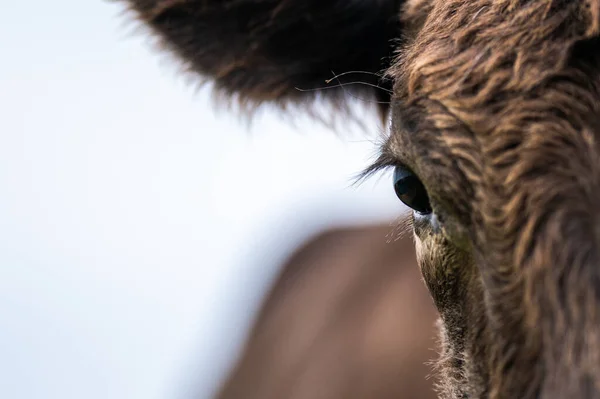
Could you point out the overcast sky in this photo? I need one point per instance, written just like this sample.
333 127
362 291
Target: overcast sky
138 227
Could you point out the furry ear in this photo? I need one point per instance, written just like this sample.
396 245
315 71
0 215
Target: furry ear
278 51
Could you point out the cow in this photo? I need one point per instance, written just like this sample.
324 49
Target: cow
493 140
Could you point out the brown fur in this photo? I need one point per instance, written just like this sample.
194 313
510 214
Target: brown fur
496 108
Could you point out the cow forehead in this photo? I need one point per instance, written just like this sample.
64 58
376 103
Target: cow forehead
472 54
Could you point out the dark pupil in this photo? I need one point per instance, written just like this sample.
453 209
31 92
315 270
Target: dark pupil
411 192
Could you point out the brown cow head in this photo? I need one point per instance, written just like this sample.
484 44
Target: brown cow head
495 110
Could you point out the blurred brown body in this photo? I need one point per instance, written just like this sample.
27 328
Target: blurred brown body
348 318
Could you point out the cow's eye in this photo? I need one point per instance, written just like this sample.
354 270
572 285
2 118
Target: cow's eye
411 191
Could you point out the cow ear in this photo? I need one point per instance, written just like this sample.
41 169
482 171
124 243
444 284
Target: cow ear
279 51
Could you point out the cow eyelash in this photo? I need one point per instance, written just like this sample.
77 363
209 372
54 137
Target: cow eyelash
384 162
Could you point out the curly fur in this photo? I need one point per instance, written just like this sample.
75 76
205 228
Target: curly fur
508 96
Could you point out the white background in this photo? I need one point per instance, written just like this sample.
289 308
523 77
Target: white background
138 227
